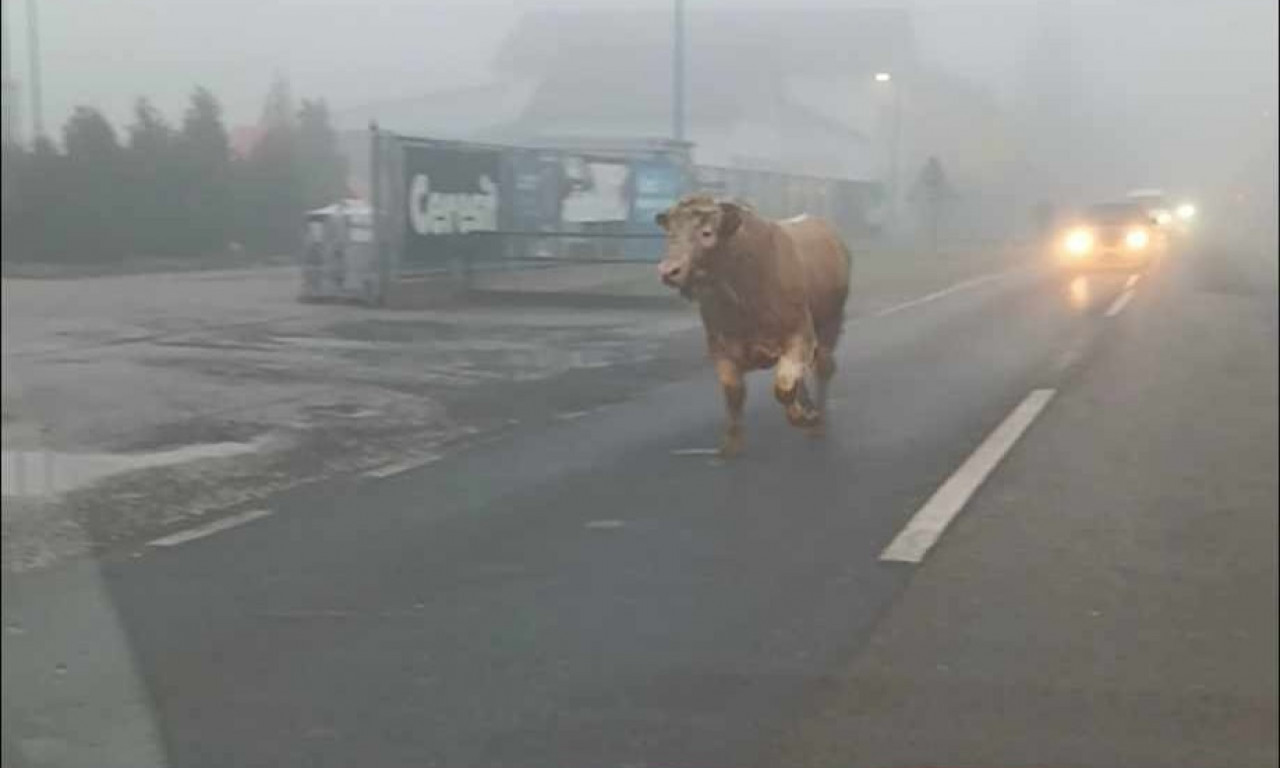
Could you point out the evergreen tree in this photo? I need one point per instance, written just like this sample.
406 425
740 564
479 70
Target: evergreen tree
204 171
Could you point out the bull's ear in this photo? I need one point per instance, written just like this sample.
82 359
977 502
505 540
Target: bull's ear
730 218
661 219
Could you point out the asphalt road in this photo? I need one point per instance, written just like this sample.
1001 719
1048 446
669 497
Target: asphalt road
601 592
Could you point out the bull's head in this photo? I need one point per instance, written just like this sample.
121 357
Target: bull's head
697 229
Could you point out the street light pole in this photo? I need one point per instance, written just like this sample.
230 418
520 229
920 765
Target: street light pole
10 108
677 72
895 143
33 54
894 156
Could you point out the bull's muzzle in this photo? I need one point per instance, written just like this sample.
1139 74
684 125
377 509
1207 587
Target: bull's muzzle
673 274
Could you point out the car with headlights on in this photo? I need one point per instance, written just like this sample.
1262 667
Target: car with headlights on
1155 203
1174 218
1120 235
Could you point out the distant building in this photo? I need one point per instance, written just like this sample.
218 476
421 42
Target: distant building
788 89
470 112
761 85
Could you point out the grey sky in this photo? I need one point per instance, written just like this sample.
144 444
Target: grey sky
1209 66
108 53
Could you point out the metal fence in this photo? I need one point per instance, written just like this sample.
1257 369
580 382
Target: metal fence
855 207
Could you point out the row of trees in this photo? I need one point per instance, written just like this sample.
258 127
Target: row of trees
161 190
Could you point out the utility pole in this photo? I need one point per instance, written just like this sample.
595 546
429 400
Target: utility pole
33 53
7 84
8 104
677 73
10 85
895 156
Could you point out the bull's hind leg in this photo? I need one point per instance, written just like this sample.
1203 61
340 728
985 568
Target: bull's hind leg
734 386
824 362
824 367
788 383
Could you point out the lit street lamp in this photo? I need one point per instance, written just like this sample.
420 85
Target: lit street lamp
886 79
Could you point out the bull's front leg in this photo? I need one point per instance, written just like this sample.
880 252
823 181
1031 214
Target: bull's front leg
788 382
734 386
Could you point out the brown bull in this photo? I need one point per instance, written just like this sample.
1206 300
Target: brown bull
771 293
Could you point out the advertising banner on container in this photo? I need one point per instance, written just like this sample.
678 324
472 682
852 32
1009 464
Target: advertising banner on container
534 188
452 199
593 191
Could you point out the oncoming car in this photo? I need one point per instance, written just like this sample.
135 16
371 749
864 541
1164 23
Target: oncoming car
1168 216
1120 235
1155 203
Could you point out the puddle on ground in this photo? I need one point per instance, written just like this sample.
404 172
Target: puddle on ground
35 474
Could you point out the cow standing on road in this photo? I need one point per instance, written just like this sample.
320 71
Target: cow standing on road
771 293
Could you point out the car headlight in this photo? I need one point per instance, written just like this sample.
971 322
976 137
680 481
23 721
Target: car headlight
1186 211
1163 217
1079 242
1137 239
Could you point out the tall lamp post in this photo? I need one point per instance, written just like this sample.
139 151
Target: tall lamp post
677 72
37 83
886 79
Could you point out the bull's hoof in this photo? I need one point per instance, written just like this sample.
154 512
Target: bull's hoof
804 418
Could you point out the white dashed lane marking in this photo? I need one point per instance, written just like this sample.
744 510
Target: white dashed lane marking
927 525
960 286
1120 303
1072 354
217 526
391 470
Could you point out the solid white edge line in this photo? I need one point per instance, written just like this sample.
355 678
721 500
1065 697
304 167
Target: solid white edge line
1133 280
927 525
391 470
1120 303
972 282
217 526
